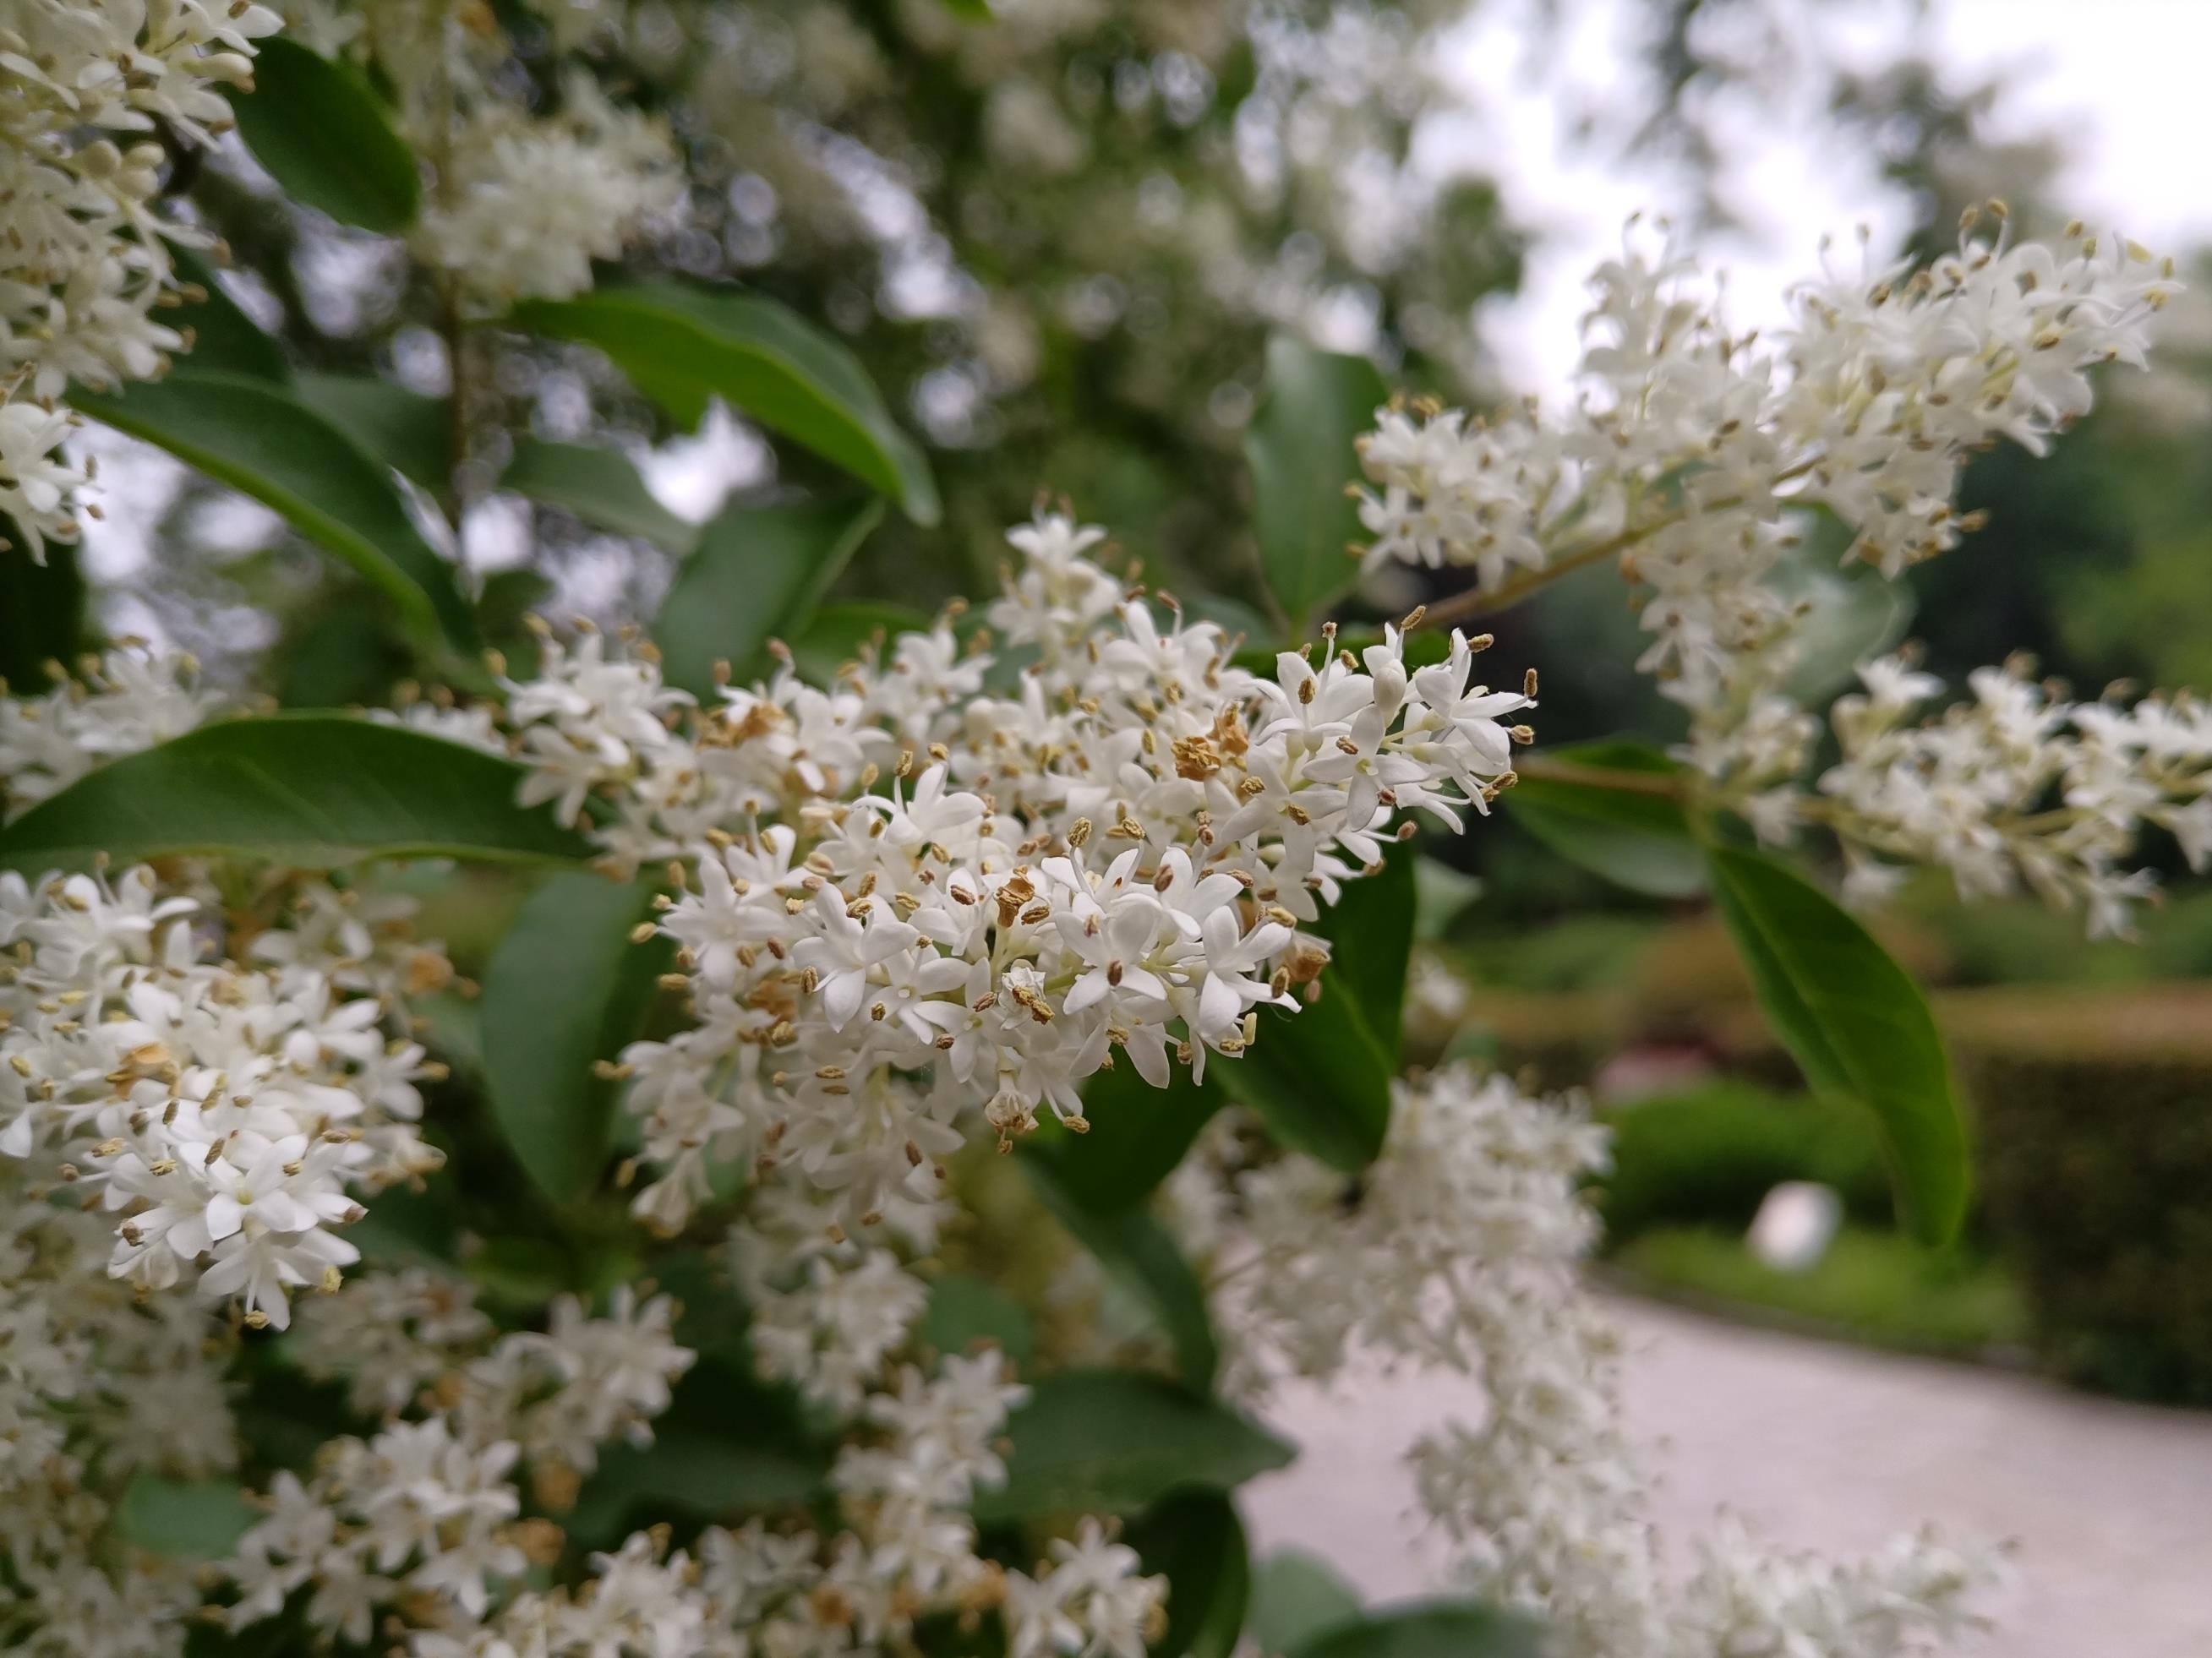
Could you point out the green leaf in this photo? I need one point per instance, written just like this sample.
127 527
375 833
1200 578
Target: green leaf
1437 1629
1300 447
964 1310
1136 1252
1857 1025
302 789
1195 1540
1318 1079
412 1228
42 617
224 338
200 1520
838 632
1114 1441
1640 841
1441 895
757 575
1295 1597
262 442
1370 931
519 1275
601 487
347 656
728 1442
405 430
565 988
683 346
321 132
969 11
1138 1135
1852 614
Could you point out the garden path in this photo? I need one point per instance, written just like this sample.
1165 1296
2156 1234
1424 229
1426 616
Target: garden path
1824 1447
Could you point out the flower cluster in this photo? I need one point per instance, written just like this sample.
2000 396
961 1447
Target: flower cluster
1460 1249
128 700
2018 787
227 1115
422 1520
421 1530
1696 457
96 1390
84 259
526 201
1107 863
528 186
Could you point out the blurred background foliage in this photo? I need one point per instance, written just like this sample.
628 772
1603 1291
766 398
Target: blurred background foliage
1060 239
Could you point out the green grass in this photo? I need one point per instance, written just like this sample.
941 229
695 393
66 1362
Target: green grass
1871 1286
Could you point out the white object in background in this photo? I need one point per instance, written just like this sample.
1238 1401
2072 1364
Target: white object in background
1795 1223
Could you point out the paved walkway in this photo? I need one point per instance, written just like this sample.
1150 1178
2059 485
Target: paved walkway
1832 1447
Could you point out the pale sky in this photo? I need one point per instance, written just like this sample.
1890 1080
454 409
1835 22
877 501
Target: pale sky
2123 83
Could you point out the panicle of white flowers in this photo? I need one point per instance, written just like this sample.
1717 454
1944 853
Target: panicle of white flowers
529 200
84 258
227 1117
930 1444
96 1390
527 189
1460 1248
1109 861
2016 788
1694 454
129 699
827 1311
422 1523
418 1528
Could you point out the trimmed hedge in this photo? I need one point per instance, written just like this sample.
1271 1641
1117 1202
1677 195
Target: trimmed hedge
1709 1157
2094 1152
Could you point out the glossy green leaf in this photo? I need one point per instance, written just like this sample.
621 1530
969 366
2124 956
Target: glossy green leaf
965 1311
1138 1254
1857 1025
195 1520
346 655
1115 1442
1138 1135
42 610
1852 613
266 443
728 1444
224 338
1638 841
517 1276
759 574
1441 895
1195 1540
412 1228
1300 448
1438 1629
1318 1079
839 632
600 486
322 133
565 988
969 11
306 790
1296 1596
405 430
1370 930
683 346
